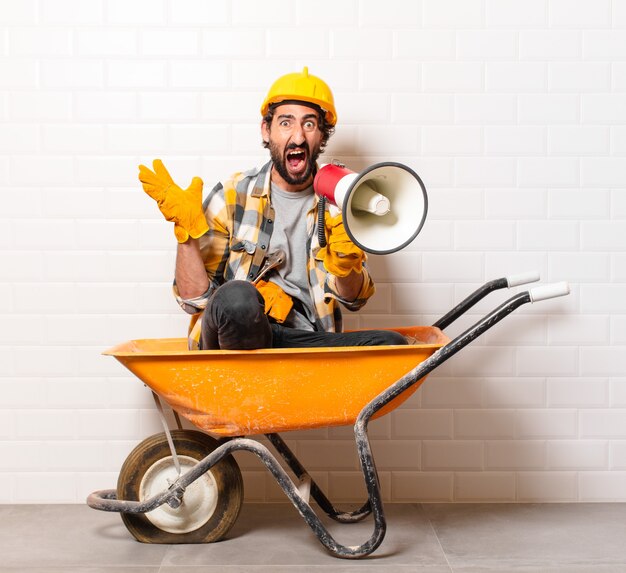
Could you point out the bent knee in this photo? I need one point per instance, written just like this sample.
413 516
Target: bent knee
238 295
237 301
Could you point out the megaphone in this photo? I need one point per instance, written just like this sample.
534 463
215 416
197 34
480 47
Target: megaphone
384 207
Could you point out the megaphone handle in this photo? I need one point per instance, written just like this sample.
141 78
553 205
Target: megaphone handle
321 221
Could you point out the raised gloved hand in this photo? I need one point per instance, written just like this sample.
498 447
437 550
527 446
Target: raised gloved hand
182 206
341 256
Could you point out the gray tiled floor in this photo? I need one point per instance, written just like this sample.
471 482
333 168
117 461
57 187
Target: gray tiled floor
437 538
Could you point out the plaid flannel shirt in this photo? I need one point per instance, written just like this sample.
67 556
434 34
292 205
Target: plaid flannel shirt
241 219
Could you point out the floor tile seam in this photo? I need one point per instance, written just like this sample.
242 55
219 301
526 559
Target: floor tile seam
82 567
337 568
432 528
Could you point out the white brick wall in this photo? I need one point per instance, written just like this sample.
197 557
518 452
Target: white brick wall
512 112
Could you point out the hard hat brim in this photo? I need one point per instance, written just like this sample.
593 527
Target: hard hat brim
317 105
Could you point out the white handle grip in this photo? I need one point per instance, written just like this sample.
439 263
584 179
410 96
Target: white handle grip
522 278
548 291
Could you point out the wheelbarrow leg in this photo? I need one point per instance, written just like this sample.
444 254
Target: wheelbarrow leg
318 495
304 508
307 512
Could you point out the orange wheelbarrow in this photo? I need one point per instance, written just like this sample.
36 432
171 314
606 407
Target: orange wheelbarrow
184 486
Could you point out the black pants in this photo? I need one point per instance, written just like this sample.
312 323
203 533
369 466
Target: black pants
235 320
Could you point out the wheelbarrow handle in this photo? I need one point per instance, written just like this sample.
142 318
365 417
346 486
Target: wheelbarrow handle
548 291
482 292
461 341
522 278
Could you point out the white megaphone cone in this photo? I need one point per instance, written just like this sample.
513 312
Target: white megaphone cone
384 207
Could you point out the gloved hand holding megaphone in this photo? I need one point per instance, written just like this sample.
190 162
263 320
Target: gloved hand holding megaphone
340 255
384 207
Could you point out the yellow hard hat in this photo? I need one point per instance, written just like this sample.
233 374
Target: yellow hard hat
302 87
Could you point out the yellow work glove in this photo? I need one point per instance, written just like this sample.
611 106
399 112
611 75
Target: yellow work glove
277 302
183 207
341 256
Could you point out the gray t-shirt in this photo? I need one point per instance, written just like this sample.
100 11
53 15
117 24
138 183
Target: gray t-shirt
290 234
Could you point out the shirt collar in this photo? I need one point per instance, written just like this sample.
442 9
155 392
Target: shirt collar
263 181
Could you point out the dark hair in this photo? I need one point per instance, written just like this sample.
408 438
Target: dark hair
325 127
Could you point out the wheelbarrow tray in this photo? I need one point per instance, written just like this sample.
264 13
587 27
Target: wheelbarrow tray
238 393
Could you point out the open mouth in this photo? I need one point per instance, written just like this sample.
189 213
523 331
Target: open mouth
296 159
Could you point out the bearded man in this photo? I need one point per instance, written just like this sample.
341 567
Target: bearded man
250 268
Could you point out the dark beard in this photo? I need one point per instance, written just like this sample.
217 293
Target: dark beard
279 163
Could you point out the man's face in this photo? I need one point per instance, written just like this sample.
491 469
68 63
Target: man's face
294 141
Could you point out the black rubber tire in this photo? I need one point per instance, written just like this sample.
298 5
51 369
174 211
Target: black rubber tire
187 443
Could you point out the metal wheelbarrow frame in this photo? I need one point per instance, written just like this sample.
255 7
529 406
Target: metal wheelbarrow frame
304 487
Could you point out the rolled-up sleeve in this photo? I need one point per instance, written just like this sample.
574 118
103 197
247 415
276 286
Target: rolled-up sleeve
193 305
367 290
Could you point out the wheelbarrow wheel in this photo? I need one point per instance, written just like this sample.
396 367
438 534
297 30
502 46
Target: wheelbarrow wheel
210 504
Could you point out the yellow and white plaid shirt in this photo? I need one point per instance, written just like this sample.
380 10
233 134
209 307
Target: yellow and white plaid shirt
241 219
